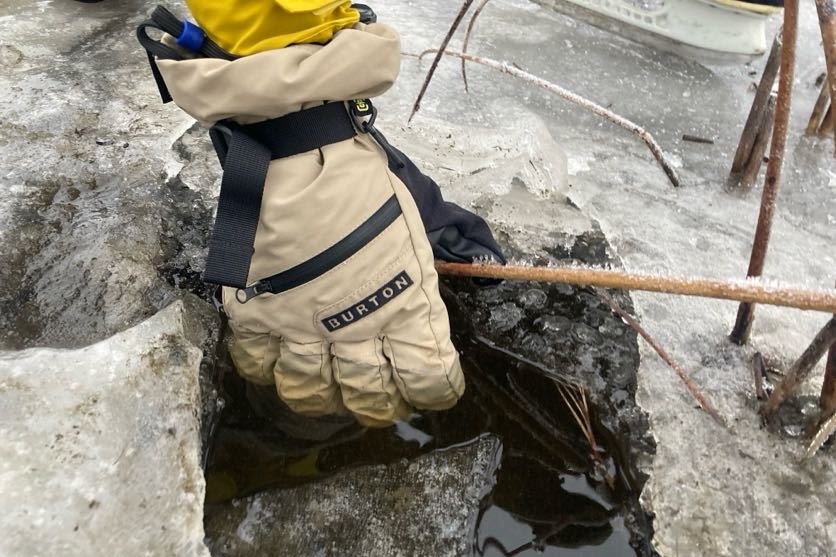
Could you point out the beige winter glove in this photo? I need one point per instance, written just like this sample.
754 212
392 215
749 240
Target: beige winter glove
355 321
370 335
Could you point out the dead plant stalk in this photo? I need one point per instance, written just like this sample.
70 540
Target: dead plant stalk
820 110
621 121
450 32
466 41
755 135
577 403
822 435
827 401
579 407
689 383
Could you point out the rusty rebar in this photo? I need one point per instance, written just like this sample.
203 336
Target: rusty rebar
746 311
827 402
753 165
827 22
820 110
758 118
802 366
747 291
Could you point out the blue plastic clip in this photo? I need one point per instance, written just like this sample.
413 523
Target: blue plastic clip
191 37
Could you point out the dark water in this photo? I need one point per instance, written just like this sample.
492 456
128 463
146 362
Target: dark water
554 493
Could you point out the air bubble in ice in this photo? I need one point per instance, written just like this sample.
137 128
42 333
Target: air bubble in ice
533 298
505 317
554 323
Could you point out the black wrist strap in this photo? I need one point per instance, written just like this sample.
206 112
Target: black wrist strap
245 153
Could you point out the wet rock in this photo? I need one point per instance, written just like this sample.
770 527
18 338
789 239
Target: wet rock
100 447
427 506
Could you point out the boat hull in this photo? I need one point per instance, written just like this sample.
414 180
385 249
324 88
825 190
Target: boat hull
723 30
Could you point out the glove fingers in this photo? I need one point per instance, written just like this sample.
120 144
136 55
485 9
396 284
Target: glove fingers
254 354
426 369
365 379
304 379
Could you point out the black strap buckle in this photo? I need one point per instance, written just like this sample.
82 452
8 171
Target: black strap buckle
364 113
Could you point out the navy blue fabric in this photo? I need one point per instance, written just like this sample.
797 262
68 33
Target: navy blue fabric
456 234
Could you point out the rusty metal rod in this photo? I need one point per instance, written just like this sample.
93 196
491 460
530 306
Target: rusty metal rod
746 311
753 165
802 366
828 123
758 116
819 110
827 21
747 291
827 402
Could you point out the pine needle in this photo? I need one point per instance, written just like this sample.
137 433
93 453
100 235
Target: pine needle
580 412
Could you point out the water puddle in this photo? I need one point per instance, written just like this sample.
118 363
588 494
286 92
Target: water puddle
554 493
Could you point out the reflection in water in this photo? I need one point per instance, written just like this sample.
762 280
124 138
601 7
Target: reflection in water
501 534
548 499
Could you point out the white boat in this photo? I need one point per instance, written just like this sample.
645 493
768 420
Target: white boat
719 29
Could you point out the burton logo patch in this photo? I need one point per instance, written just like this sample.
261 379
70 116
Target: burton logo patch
369 304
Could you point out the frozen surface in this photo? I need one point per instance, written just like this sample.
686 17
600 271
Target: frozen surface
107 196
90 183
715 492
99 224
100 446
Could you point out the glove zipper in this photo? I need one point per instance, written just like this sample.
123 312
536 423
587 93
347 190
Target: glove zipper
328 259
